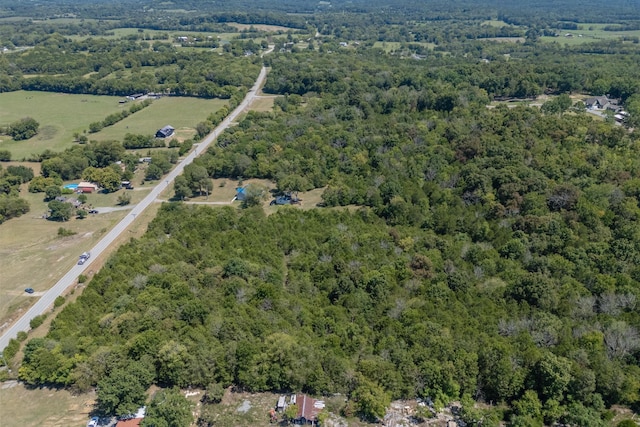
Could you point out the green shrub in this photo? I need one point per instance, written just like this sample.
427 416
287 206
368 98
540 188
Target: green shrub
59 301
65 232
11 349
82 278
22 335
37 321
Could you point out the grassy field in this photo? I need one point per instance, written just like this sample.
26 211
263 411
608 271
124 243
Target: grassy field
166 35
497 23
391 46
260 27
33 255
588 33
264 103
181 113
43 407
59 115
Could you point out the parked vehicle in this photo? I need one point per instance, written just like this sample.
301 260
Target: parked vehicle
29 290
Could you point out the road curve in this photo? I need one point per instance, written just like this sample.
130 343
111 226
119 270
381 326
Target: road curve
68 279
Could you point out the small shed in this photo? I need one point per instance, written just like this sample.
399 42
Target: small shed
86 187
165 132
241 194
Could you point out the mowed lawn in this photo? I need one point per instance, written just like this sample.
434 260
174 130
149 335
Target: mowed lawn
180 112
59 115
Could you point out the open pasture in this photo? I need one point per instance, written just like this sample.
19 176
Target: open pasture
59 115
180 112
261 27
589 33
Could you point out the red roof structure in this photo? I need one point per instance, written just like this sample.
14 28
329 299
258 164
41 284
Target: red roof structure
308 408
134 422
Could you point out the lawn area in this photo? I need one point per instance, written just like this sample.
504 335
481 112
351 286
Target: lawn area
180 112
59 115
263 103
498 23
43 406
261 27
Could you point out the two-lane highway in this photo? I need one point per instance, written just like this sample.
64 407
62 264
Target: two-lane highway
47 299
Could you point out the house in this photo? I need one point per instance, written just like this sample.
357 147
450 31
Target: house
308 409
135 96
597 102
86 187
133 422
165 132
75 202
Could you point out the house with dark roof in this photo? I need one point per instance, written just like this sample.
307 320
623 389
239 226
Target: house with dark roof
597 102
165 132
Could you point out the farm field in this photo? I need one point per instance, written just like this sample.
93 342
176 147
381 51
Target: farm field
165 35
391 46
58 114
180 112
589 33
260 27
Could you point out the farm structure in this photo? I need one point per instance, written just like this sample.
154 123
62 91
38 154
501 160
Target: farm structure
165 132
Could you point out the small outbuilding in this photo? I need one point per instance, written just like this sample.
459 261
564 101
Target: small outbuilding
241 195
165 132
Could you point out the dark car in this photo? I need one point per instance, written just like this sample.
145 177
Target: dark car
93 211
29 290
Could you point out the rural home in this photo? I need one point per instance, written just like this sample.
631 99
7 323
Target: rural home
165 132
75 202
135 420
86 187
135 96
602 103
308 409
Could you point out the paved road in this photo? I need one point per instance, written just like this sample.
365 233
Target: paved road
47 299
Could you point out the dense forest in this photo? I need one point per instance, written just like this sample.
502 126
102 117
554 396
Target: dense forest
464 249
